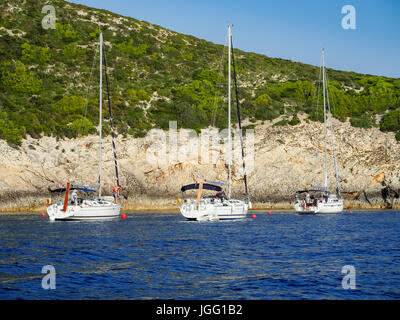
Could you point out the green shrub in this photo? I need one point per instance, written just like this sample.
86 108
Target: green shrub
9 132
129 48
70 105
136 95
397 135
35 54
391 121
364 121
16 78
283 122
294 121
72 52
82 127
65 32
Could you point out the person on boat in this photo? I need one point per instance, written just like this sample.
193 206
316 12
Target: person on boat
307 198
74 197
221 195
115 192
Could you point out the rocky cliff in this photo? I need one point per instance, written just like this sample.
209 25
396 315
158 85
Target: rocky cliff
286 159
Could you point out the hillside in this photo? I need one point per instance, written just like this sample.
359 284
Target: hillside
48 79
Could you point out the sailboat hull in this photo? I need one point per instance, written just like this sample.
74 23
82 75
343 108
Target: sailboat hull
227 210
336 207
97 210
321 207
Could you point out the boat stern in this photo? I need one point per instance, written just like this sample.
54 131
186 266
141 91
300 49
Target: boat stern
55 212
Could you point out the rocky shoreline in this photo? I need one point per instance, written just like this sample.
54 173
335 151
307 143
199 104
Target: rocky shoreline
37 205
280 161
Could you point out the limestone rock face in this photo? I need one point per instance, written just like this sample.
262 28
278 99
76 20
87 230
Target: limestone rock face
280 160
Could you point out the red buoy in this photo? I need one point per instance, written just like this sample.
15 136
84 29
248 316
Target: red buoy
351 211
269 212
254 216
43 215
123 216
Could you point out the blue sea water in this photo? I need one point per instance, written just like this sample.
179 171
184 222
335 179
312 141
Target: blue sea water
162 256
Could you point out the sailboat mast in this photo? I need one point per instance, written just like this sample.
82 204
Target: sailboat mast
239 122
229 113
333 144
111 119
101 110
325 129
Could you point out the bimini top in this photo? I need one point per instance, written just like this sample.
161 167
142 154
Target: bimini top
73 188
303 191
206 186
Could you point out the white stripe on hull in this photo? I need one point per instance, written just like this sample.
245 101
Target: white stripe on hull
232 217
73 217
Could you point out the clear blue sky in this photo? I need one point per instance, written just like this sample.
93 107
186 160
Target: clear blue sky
289 29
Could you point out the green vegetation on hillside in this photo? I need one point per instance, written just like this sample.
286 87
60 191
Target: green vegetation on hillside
49 79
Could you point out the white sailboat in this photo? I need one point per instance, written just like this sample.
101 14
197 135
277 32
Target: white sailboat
219 206
88 207
320 200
